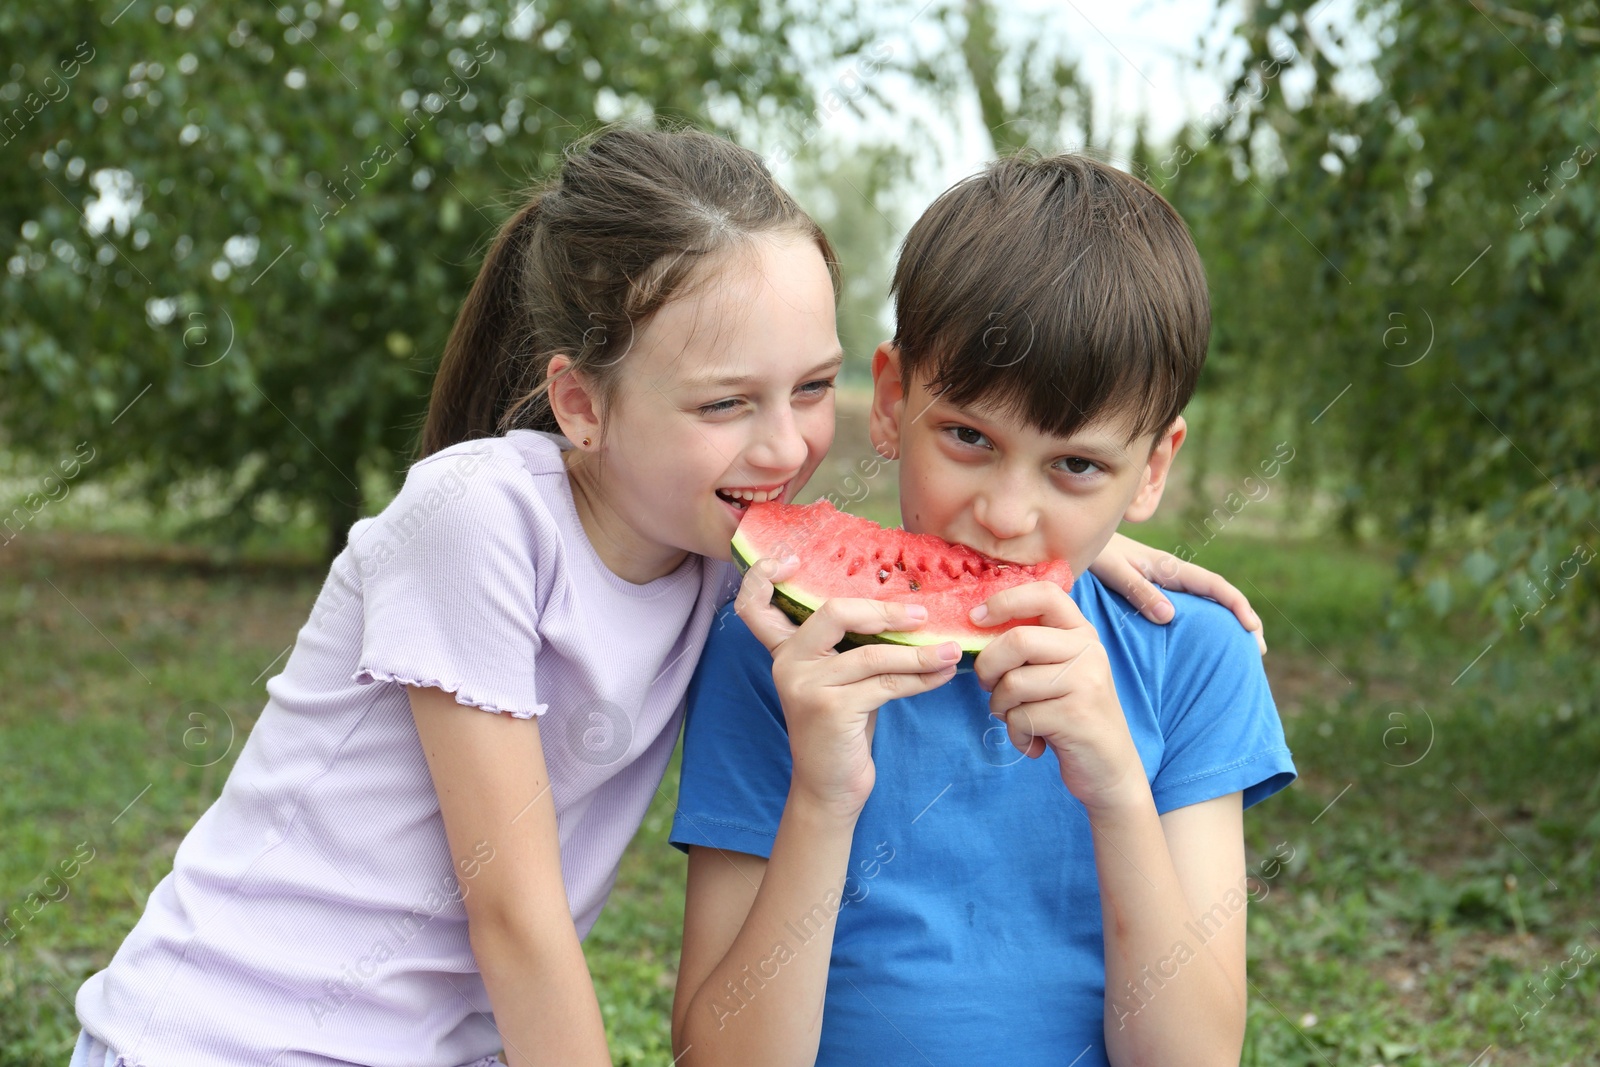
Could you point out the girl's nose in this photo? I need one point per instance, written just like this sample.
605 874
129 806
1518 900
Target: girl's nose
778 444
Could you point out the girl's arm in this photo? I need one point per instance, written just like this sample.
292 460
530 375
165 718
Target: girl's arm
494 794
1136 570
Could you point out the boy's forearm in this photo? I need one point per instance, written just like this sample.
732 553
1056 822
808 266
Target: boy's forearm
763 1002
1168 1000
542 994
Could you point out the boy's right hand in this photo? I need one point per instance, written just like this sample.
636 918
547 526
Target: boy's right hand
830 699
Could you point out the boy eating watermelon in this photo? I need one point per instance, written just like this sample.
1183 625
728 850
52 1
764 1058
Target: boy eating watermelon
877 872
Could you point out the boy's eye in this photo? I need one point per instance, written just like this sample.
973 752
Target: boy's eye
1077 465
968 436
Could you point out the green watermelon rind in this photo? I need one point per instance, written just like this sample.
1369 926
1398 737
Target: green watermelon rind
798 607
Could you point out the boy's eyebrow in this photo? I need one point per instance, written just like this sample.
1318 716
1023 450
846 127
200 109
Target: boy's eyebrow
833 362
1107 446
1093 447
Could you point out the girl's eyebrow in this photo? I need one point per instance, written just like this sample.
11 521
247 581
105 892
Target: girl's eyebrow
833 362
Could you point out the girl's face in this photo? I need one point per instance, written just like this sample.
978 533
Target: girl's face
726 398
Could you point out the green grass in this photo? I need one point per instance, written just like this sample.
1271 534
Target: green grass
1445 837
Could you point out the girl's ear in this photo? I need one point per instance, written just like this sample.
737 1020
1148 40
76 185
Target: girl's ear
575 407
888 401
1153 480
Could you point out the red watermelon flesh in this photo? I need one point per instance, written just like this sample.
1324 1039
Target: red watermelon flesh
847 556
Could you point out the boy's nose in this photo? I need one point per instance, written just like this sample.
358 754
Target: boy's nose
1005 511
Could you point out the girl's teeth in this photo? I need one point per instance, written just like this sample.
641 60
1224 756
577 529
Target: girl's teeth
750 496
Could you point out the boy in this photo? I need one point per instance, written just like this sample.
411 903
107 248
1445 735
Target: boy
902 886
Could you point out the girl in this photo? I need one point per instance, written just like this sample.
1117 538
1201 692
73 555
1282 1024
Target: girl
391 876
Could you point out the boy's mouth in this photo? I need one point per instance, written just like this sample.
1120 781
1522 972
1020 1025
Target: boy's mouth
742 497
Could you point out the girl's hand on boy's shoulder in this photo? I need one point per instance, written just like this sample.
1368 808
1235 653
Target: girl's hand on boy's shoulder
1139 573
1051 685
831 699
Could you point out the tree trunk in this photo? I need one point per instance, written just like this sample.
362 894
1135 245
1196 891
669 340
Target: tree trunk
982 55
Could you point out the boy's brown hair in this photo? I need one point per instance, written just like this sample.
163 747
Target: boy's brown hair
1059 290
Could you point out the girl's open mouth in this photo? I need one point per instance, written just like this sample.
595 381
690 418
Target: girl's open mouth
739 499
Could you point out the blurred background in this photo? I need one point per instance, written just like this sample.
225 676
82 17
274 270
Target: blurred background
235 236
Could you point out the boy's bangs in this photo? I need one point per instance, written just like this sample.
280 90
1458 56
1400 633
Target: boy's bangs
1059 380
1084 346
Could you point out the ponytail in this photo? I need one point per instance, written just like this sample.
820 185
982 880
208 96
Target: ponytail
489 358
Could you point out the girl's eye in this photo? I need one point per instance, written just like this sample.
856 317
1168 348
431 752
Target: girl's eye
720 407
1077 465
968 436
817 388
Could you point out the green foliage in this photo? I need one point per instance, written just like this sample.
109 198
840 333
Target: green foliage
850 192
1410 244
306 189
1028 92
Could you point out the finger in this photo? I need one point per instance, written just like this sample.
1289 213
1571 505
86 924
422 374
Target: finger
754 601
1196 579
1120 574
841 615
1036 683
1148 598
885 662
1045 601
1019 732
878 690
1029 644
1215 587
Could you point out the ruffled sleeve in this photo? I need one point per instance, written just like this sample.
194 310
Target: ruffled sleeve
449 582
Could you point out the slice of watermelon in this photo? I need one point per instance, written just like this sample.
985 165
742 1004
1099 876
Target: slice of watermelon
844 555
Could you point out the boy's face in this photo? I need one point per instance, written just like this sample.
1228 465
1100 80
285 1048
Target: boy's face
977 477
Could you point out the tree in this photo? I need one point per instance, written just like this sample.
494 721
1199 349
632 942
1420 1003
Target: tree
1400 267
851 191
238 234
1028 94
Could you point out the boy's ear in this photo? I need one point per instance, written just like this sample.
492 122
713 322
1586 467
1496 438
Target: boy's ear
1153 482
888 401
576 409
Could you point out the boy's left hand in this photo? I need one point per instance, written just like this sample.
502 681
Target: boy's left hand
1051 685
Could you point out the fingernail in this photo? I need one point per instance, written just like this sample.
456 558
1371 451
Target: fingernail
979 613
917 612
790 560
1262 641
1163 611
949 651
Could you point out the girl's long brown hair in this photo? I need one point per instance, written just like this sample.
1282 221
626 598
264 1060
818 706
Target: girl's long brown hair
587 260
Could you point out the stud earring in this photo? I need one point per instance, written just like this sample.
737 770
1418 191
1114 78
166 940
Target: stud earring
585 442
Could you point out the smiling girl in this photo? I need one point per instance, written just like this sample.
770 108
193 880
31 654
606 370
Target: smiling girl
391 876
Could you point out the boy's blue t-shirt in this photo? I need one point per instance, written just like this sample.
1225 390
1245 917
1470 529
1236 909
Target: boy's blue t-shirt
971 928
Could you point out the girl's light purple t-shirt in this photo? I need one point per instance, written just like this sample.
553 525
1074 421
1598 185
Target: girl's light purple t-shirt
313 915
